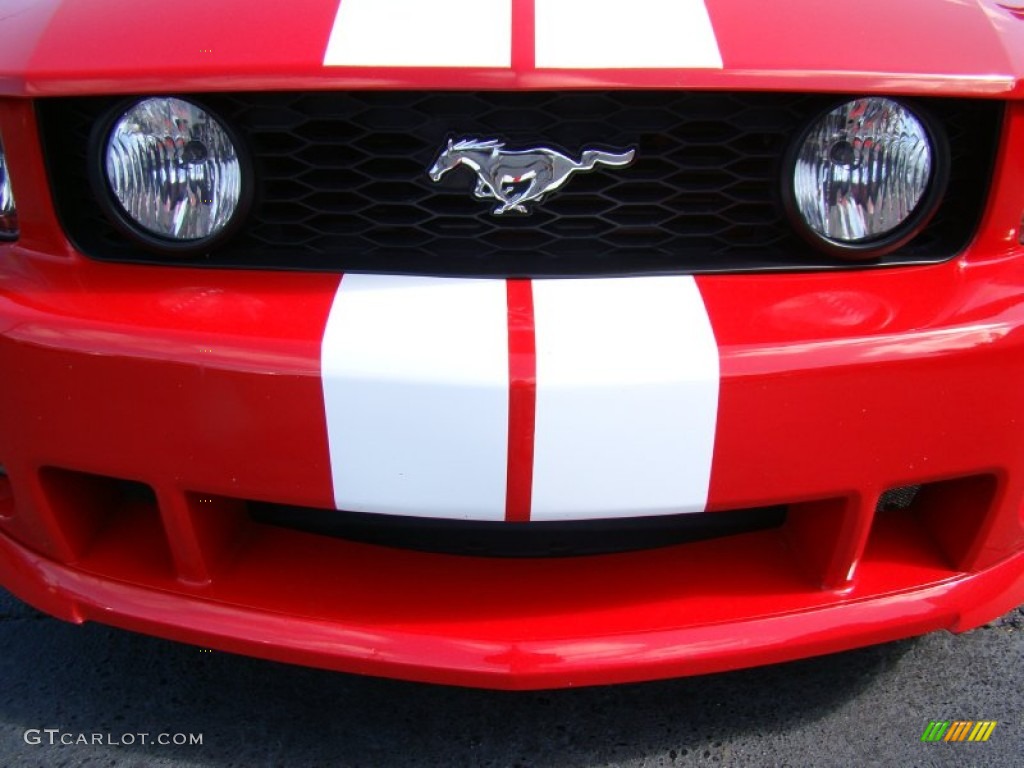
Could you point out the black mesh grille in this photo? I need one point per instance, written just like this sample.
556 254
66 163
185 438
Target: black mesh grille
342 184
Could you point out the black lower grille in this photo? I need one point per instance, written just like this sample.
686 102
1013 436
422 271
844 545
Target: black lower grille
534 539
342 183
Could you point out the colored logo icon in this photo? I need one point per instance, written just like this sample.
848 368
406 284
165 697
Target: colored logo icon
958 730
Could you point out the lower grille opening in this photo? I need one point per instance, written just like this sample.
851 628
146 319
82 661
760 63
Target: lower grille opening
683 571
949 514
534 539
111 523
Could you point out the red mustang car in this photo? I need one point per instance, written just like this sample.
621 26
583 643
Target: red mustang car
513 343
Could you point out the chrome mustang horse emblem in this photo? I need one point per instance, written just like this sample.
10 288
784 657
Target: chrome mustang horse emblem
515 178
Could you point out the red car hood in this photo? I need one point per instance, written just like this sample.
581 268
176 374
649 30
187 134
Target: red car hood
51 47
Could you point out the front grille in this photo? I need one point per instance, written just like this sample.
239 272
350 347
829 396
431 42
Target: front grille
342 184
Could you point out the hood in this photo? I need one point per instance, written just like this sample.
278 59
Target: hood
955 47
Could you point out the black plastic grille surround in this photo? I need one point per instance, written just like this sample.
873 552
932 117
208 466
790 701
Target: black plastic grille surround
341 182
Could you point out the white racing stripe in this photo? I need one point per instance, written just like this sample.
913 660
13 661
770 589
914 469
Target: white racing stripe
421 33
416 392
627 397
639 34
415 379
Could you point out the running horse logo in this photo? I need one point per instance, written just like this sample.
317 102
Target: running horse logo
515 178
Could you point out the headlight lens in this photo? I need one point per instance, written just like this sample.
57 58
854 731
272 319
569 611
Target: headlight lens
8 213
864 177
174 171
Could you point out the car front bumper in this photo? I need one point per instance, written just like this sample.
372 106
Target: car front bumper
834 389
143 410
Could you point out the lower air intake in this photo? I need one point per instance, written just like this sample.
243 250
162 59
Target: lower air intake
536 539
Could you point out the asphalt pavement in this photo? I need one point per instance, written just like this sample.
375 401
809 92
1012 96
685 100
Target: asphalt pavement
100 689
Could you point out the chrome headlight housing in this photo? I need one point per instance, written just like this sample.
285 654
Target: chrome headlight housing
865 177
171 174
8 213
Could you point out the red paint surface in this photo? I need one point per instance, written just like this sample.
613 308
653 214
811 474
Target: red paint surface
939 46
523 37
929 37
522 406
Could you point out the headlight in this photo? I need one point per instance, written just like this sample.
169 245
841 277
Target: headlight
865 178
174 173
8 213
